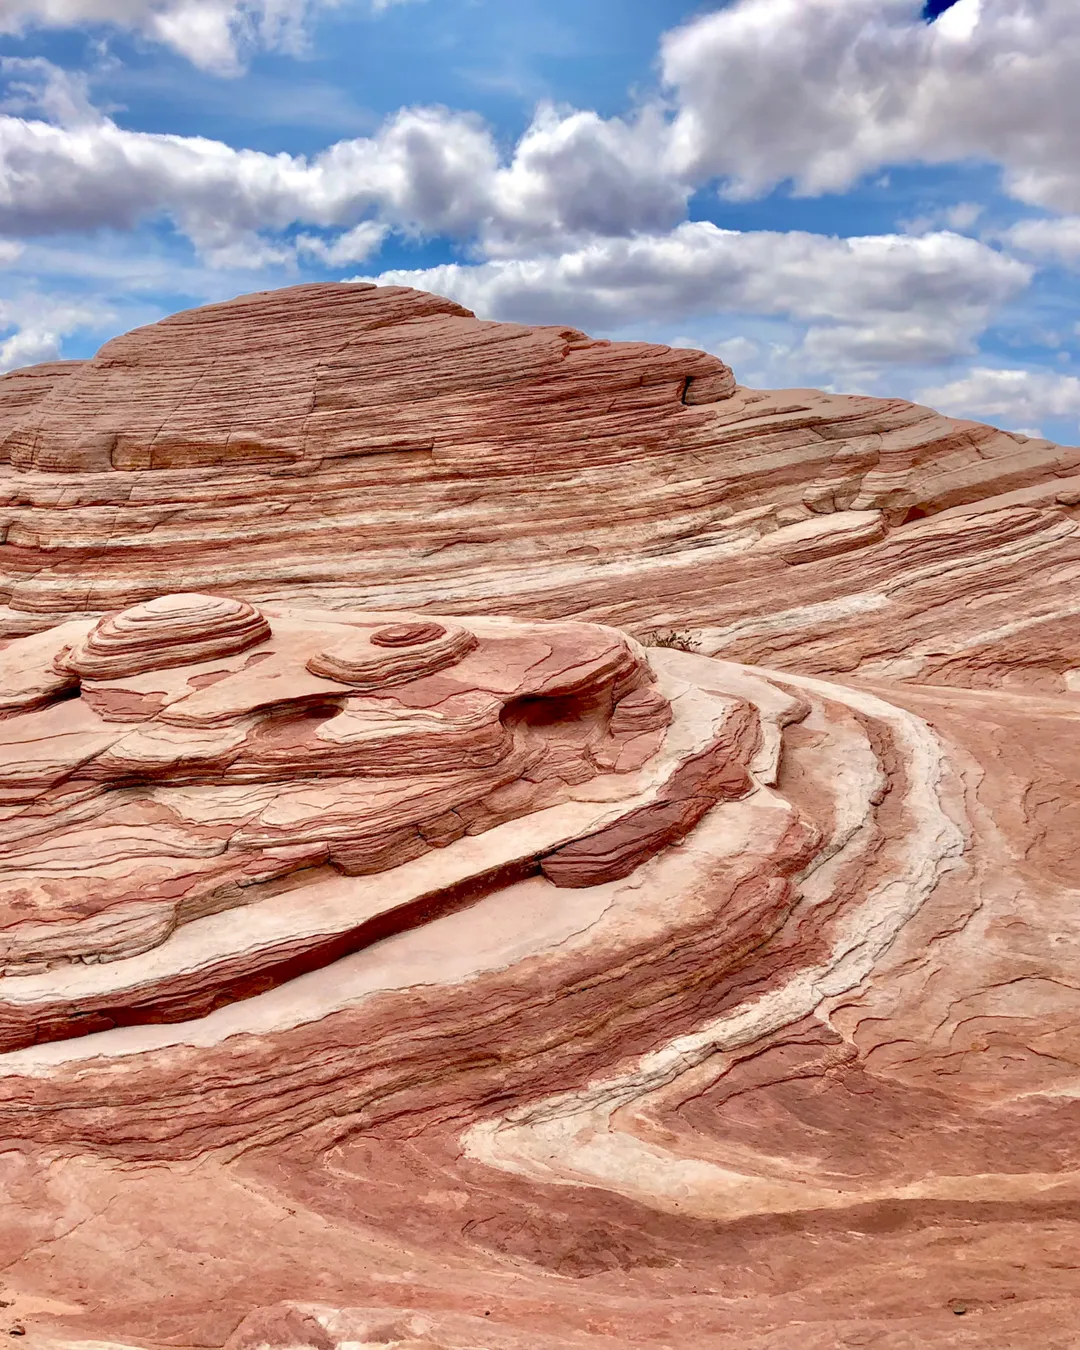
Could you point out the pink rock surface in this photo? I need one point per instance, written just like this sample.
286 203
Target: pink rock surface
394 452
378 971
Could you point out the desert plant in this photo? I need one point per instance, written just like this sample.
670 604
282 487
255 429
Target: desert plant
676 640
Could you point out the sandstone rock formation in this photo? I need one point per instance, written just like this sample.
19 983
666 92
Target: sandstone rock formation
354 446
188 816
379 970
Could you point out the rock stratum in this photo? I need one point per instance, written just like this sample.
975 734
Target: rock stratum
381 448
512 841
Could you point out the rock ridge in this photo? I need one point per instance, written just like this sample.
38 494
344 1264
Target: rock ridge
395 452
515 841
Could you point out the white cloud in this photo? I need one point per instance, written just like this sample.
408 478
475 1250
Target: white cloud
823 91
1018 398
962 217
216 35
865 301
819 91
29 346
354 246
1055 239
41 324
574 175
34 85
580 220
740 353
427 171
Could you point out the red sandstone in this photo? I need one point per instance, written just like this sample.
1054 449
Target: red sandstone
378 971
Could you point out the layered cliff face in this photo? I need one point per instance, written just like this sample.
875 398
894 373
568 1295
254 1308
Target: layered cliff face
377 969
357 446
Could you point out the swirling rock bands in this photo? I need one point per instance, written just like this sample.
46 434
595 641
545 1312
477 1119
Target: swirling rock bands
564 993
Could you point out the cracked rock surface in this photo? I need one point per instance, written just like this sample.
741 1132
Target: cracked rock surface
395 951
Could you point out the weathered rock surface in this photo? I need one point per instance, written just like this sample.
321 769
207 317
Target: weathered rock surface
351 446
377 971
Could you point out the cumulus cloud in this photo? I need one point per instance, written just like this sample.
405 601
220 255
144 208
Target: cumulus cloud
34 85
427 171
35 327
28 346
820 92
574 175
354 246
963 216
583 219
816 91
1058 240
216 35
869 300
1017 398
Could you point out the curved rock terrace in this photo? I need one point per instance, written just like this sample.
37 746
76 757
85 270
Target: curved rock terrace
510 840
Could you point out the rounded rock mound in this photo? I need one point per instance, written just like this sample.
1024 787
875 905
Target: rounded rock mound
393 654
172 630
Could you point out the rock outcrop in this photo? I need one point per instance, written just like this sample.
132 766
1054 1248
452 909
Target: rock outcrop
353 446
377 969
206 769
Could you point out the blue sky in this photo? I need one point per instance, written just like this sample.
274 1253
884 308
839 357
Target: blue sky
868 195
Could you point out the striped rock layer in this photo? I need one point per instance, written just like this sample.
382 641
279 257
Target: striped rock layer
393 955
356 446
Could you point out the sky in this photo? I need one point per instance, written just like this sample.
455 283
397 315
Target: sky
868 196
